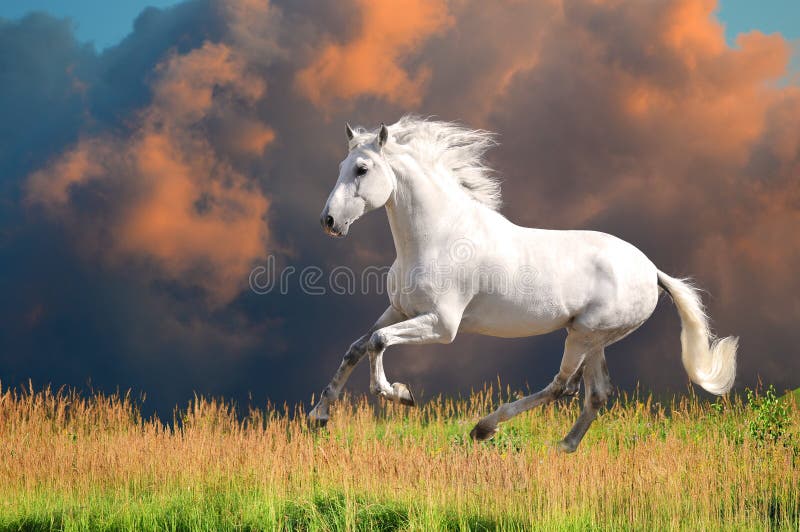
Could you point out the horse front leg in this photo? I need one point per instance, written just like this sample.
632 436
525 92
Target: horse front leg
379 384
424 329
320 414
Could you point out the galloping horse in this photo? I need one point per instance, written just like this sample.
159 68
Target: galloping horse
442 201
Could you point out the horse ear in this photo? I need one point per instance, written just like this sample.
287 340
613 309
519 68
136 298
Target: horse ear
351 137
383 135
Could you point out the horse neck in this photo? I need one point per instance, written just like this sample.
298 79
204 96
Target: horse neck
419 210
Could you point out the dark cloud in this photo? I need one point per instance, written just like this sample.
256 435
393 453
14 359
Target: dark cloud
141 185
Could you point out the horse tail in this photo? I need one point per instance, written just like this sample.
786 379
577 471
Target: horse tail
709 361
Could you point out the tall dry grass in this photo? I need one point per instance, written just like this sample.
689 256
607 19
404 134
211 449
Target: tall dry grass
71 462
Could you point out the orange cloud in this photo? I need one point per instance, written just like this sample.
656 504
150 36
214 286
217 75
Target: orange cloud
689 28
170 200
660 94
722 104
52 185
247 137
214 224
480 55
372 63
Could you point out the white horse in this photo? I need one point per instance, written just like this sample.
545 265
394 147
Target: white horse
442 203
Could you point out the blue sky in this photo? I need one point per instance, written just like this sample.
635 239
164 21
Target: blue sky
106 22
767 16
103 22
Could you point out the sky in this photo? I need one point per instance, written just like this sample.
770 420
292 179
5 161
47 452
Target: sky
106 23
146 176
100 22
741 16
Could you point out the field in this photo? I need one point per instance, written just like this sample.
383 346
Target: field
78 463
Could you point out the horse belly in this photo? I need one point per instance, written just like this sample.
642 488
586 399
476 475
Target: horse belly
512 318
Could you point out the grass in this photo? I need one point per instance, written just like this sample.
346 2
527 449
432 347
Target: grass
69 462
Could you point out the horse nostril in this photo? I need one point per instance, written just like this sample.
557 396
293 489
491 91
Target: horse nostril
329 221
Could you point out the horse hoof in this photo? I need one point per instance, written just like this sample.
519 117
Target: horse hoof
484 430
403 394
566 447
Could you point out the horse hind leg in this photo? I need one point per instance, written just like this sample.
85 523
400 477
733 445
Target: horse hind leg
573 386
488 426
597 387
575 350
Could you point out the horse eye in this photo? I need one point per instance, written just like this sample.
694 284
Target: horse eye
361 170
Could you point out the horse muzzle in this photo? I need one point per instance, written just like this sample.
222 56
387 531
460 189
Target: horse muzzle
331 227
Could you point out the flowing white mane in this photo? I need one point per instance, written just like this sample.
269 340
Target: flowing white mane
459 149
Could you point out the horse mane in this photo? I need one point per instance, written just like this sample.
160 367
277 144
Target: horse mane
461 150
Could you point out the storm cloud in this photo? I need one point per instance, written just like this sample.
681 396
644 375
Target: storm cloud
141 185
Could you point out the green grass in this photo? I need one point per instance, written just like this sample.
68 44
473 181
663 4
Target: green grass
74 463
253 511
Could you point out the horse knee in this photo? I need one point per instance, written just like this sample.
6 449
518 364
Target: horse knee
377 342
